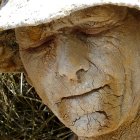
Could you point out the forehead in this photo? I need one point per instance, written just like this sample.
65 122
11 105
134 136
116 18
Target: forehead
85 17
95 14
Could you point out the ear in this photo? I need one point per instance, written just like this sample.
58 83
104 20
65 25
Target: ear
9 53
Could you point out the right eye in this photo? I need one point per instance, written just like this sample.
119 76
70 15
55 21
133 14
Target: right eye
42 44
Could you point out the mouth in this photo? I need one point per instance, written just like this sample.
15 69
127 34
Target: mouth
96 105
91 112
86 93
88 103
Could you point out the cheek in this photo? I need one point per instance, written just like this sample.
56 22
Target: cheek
39 59
40 66
108 59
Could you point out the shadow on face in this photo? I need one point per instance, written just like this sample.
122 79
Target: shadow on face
85 67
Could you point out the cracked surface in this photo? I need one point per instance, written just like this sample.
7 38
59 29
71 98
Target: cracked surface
85 67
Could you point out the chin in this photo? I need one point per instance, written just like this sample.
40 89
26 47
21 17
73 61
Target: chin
88 123
93 125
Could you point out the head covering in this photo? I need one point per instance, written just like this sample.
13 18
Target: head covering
18 13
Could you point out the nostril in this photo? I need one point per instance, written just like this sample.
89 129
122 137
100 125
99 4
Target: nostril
72 76
79 73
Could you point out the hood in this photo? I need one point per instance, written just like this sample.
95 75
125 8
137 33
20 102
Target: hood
18 13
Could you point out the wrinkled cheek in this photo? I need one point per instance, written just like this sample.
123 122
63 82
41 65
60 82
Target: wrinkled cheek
42 72
109 61
36 70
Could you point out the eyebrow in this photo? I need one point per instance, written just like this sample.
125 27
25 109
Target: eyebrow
57 27
82 18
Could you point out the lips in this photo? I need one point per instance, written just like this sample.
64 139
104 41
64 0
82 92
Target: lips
86 93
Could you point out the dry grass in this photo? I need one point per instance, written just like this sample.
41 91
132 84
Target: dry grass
22 114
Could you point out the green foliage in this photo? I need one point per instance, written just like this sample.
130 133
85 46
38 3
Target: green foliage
22 114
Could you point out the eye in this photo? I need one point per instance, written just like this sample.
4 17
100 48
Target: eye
46 40
42 44
95 28
93 31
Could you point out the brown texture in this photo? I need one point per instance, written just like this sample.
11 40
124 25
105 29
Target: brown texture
88 58
85 67
9 53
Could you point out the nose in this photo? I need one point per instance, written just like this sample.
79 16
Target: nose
71 57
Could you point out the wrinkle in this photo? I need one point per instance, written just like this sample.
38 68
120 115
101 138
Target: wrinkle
97 67
91 91
116 48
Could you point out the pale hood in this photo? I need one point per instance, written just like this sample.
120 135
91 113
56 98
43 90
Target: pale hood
17 13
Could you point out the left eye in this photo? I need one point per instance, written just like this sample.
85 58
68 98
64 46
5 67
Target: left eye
93 31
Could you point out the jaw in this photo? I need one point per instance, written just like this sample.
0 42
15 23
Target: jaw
90 114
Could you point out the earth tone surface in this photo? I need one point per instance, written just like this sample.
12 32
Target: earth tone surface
92 57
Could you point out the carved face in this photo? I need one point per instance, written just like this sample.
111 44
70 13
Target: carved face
85 67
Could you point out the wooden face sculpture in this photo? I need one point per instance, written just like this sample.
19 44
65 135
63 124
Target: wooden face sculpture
85 67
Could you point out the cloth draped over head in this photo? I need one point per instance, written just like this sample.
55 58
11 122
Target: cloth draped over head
17 13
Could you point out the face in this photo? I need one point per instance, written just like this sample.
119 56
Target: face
85 67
